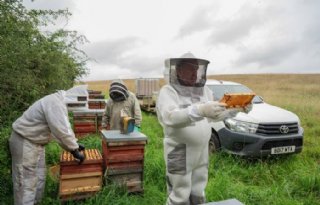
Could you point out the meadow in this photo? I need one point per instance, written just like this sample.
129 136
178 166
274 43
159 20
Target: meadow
282 180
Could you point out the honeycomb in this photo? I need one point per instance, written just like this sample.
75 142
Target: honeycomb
90 154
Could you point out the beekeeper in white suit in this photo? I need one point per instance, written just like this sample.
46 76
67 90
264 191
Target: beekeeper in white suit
47 118
185 109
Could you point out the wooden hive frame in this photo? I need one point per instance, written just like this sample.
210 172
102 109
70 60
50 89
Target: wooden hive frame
234 100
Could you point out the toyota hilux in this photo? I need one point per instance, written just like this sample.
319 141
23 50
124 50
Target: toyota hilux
265 130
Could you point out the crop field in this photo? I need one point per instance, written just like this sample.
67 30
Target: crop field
281 180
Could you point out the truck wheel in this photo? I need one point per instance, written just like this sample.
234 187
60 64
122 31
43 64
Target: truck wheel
214 143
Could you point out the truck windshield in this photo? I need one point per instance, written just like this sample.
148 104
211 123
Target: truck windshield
219 90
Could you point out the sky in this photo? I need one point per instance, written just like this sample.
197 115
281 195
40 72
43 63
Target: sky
131 39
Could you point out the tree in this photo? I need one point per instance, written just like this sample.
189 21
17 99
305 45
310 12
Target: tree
32 64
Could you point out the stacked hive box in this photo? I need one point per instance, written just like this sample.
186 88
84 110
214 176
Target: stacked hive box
87 122
78 102
82 98
81 105
80 180
97 104
93 94
96 100
123 158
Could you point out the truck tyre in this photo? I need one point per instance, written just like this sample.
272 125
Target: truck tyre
214 143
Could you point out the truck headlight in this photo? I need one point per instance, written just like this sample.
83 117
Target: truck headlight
239 126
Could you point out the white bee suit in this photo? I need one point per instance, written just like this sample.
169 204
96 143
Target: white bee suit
185 109
185 146
186 134
46 118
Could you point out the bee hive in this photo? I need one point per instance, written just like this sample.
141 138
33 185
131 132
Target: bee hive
123 158
87 122
80 180
97 104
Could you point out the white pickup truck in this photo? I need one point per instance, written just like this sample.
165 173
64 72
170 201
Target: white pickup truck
265 130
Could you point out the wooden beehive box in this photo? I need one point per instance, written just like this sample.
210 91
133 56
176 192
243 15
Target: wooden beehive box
97 104
96 96
99 122
80 180
87 122
80 105
94 92
123 158
93 104
82 98
84 123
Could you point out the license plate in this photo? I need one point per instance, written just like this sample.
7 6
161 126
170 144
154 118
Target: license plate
283 150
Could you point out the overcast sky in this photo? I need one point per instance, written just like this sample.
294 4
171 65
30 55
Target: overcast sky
130 39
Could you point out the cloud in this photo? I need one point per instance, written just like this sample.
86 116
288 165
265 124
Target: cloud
238 26
290 42
265 56
132 67
251 36
112 51
198 21
120 58
144 66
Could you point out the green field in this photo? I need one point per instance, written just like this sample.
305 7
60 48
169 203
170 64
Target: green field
285 180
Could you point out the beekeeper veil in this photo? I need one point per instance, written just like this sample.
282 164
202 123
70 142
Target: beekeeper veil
187 75
118 91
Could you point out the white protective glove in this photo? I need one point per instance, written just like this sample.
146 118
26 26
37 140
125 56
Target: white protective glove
217 111
210 109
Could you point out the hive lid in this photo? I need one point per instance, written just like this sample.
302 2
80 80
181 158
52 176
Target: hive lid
89 112
97 100
116 136
92 156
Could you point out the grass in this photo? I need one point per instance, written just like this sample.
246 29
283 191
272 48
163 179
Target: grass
283 180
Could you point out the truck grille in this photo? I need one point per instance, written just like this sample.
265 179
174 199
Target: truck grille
281 143
278 129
